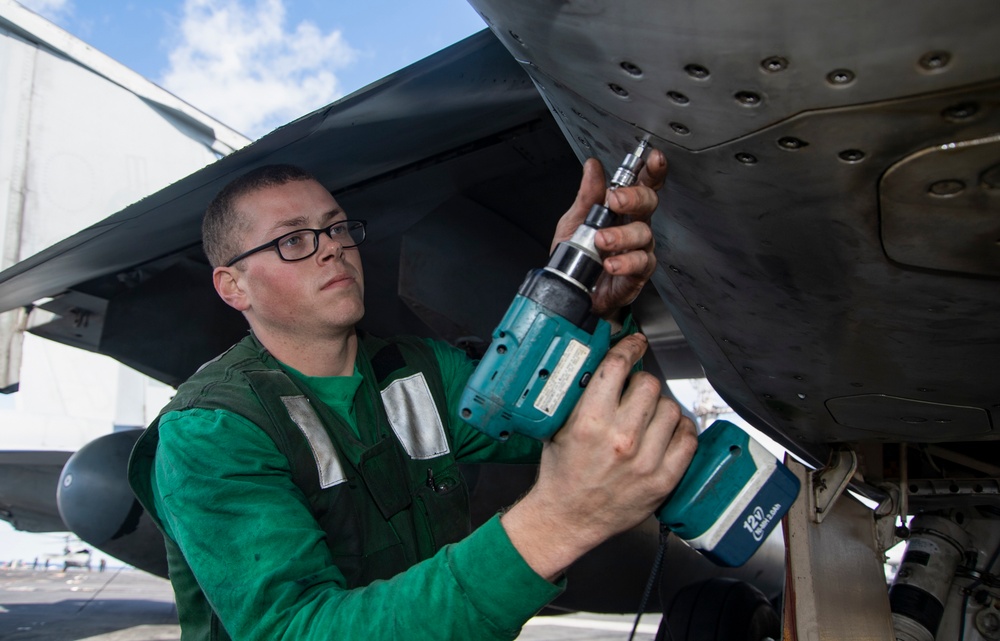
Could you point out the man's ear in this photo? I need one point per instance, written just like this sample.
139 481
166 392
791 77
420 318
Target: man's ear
228 285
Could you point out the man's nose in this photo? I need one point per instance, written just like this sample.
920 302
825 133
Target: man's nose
328 247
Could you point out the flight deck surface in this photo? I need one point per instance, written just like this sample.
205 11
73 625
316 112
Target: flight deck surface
129 605
114 605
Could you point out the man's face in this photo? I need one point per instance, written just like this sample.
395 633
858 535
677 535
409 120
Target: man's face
315 298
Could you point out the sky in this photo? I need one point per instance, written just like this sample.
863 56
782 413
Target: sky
257 64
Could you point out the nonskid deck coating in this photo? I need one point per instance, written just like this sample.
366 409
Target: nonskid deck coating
130 605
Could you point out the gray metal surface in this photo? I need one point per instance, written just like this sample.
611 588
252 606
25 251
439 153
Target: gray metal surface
831 222
702 74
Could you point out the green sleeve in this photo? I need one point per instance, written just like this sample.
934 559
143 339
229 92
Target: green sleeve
225 495
472 446
629 327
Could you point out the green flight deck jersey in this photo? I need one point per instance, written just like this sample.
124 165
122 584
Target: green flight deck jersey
298 507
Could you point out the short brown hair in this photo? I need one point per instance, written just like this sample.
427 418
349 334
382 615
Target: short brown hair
221 227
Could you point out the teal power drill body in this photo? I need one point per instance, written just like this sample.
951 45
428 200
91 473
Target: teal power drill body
549 343
542 356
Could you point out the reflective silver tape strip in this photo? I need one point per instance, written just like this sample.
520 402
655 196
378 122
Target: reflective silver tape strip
414 417
327 463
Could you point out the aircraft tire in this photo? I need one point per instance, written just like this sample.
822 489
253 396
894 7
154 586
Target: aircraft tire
720 609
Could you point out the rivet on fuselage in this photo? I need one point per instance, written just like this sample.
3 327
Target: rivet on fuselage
961 111
747 98
990 178
791 143
697 72
840 77
631 68
945 188
678 98
935 60
774 64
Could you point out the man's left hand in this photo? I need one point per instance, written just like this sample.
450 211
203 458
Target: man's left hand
627 249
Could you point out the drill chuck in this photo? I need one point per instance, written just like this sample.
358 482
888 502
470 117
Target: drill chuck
577 259
628 172
548 289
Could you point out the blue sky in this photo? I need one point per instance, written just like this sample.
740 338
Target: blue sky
256 64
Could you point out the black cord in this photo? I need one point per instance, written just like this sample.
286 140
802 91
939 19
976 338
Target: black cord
101 589
653 576
961 619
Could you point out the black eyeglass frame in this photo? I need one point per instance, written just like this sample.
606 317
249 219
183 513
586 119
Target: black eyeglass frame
316 232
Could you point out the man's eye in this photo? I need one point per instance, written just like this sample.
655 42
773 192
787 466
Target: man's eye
339 228
292 241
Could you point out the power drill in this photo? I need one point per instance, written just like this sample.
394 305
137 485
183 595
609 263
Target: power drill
549 343
544 353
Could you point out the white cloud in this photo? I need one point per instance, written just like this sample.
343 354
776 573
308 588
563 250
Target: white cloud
239 64
51 9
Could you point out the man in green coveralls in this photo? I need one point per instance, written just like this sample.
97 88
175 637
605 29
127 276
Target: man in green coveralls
306 480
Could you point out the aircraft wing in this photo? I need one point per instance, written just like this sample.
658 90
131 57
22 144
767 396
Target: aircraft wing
28 483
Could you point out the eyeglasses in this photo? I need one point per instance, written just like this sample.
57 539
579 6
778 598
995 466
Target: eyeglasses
303 243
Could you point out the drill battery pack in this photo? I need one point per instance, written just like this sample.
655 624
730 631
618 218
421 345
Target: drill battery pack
732 497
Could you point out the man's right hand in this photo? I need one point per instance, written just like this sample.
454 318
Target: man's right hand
613 463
